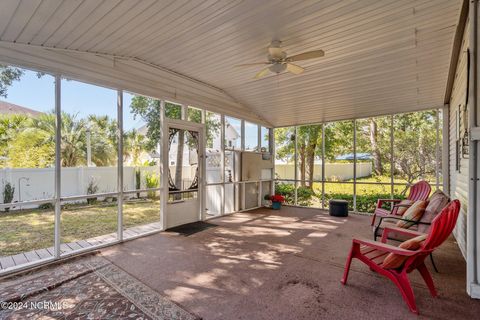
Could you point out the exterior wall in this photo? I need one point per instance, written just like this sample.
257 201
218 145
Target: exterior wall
459 178
333 171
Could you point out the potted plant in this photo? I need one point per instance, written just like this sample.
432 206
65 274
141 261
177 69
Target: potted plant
276 200
8 192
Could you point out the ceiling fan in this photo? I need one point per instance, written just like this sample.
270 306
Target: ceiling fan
278 60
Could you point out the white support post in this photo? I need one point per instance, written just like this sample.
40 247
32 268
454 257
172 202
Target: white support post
259 142
242 185
222 162
58 164
295 173
323 166
243 134
163 168
202 181
120 165
183 114
446 150
354 165
473 208
392 171
259 198
437 149
271 146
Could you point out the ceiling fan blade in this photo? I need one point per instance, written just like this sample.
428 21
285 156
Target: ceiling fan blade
293 68
306 55
262 73
251 64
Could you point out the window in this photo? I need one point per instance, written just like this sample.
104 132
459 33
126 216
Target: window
285 153
27 161
173 111
213 123
194 115
414 148
233 133
89 162
373 167
309 165
89 142
251 136
265 139
141 160
417 141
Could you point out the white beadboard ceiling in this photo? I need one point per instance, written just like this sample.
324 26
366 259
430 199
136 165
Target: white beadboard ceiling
380 56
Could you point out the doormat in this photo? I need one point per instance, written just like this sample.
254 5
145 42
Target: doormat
192 228
84 288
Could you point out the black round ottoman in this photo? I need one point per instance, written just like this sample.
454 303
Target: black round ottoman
338 208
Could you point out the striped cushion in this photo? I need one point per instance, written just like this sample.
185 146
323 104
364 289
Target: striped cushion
401 209
394 261
414 213
438 200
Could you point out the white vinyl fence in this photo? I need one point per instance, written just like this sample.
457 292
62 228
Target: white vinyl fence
37 184
333 171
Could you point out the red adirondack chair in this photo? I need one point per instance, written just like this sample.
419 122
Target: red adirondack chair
418 191
372 253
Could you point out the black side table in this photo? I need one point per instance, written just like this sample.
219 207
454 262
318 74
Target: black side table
338 208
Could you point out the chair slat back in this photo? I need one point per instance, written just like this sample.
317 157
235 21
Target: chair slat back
419 191
442 225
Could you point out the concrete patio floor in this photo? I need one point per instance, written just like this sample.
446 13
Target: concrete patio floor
286 264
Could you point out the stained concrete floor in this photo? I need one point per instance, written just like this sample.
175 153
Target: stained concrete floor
286 264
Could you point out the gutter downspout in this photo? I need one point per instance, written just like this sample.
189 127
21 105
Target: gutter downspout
473 226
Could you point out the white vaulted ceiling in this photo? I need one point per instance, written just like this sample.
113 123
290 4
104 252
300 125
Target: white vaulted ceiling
380 56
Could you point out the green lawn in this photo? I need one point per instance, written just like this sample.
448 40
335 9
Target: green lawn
31 229
367 194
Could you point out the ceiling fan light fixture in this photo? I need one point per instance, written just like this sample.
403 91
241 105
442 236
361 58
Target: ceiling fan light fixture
278 67
278 61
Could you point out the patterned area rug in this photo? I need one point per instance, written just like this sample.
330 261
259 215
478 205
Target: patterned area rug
87 287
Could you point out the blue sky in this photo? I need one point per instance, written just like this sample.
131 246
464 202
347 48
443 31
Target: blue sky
77 97
85 99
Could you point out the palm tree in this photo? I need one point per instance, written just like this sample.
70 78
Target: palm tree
10 126
103 139
73 146
133 146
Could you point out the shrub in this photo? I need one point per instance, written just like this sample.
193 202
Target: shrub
8 192
138 181
46 206
151 181
92 189
304 194
365 203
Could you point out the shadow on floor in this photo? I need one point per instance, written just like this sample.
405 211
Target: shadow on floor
285 264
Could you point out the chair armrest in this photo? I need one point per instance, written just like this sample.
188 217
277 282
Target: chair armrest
403 231
393 217
384 247
381 201
390 200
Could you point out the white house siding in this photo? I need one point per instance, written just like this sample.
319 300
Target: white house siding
459 178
